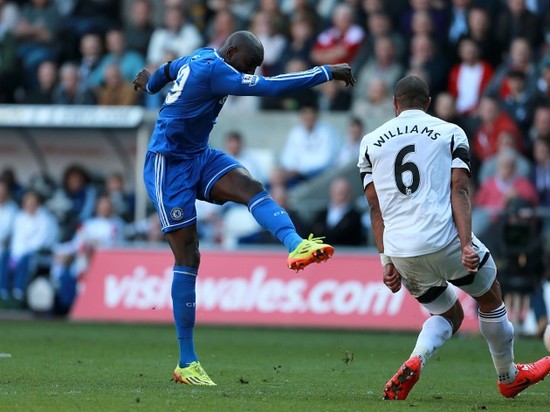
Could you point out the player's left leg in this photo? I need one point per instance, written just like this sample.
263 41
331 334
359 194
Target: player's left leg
175 204
238 186
497 329
185 247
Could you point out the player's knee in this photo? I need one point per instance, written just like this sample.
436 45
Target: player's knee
458 316
455 316
189 256
490 300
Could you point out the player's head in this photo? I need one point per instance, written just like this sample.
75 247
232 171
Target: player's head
411 92
244 51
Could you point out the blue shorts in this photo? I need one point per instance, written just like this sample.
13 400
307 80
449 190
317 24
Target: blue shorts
174 185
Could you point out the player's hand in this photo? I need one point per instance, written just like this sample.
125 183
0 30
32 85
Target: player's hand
470 259
392 278
141 79
342 72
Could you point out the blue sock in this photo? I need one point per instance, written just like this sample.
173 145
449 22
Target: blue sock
183 302
274 219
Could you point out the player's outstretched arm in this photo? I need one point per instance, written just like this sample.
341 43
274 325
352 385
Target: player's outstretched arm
141 79
342 72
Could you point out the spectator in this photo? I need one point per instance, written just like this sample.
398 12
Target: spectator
379 25
139 28
302 38
122 201
309 148
340 221
493 122
8 58
496 192
115 91
8 211
377 104
520 58
518 251
34 229
542 97
223 25
47 82
383 65
437 16
424 56
302 10
129 61
340 42
506 141
74 201
541 172
481 31
350 148
469 78
444 107
334 97
275 15
540 128
16 189
515 20
72 259
9 16
91 51
274 43
146 230
458 24
70 89
235 146
422 24
36 34
179 37
86 16
520 103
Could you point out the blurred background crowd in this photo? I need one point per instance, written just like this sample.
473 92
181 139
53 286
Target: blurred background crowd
487 63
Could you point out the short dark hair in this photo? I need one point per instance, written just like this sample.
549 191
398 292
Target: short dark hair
411 92
234 134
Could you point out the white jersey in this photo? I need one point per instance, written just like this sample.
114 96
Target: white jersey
409 160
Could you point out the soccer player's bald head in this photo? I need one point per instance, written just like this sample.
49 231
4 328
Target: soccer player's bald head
244 51
411 92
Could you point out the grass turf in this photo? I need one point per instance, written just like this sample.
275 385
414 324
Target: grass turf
63 366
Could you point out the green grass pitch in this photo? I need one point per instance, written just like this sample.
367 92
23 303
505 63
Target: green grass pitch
64 366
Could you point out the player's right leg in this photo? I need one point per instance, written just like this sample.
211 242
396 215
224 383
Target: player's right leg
432 291
238 186
175 204
498 331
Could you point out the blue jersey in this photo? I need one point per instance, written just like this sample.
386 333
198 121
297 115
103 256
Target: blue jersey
202 82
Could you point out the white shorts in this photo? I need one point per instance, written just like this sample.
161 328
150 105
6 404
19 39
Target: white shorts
427 277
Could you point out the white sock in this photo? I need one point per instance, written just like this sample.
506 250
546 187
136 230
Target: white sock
435 332
498 331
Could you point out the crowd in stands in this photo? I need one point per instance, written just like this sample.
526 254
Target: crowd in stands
487 63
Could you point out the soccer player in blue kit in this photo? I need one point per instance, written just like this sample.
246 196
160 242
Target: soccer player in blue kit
181 167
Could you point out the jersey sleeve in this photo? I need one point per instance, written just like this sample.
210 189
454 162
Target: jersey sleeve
364 164
460 150
165 74
226 80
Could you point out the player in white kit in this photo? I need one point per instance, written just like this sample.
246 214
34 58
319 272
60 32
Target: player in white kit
415 170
